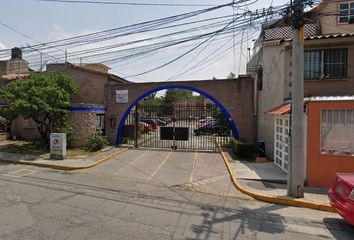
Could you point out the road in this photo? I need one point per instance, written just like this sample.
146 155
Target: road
148 195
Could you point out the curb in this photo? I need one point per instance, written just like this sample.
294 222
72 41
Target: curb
288 201
67 168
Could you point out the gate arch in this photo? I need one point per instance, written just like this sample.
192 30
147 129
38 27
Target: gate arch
184 87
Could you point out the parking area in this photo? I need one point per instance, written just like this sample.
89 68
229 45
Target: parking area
199 171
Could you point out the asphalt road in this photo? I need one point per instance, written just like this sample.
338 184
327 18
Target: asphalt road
138 195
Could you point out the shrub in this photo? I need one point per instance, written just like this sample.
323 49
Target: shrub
96 142
244 150
69 130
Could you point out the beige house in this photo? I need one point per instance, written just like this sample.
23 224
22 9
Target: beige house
87 110
328 68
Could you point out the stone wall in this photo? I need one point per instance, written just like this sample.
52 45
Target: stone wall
84 125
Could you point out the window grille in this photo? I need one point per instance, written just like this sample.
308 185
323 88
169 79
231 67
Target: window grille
337 131
325 63
346 12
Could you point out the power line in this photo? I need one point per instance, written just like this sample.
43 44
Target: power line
184 54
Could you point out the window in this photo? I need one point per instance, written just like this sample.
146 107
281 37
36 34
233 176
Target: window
346 13
100 122
337 131
325 63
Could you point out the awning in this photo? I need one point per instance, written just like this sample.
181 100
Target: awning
282 109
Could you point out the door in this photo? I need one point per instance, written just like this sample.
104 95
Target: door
281 142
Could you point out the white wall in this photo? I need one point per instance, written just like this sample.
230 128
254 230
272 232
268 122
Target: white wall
274 80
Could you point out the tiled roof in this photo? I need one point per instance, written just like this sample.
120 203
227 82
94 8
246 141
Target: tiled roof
329 98
277 42
282 109
336 35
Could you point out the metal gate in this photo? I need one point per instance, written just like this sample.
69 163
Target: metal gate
177 127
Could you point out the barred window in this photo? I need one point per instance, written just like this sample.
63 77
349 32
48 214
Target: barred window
337 131
325 63
346 12
100 122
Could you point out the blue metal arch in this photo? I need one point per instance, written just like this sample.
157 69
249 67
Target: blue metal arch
222 108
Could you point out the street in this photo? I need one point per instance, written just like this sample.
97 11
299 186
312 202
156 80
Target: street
148 195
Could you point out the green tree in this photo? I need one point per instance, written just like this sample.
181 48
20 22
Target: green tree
172 95
44 97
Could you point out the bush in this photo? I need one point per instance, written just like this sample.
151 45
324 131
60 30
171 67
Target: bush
244 150
96 142
69 130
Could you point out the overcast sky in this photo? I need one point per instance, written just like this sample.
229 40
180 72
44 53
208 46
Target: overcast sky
45 21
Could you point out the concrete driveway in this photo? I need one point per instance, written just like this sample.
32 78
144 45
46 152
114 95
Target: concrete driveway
199 171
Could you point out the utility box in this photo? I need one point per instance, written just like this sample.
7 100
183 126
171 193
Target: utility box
58 146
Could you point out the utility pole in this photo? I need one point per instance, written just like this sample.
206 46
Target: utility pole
296 166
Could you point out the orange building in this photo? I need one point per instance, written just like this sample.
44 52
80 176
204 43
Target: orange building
330 139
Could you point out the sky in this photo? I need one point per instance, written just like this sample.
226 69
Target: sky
48 21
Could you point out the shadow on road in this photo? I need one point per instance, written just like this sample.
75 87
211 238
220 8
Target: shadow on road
249 221
339 228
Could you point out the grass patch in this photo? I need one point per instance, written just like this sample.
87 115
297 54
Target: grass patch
35 147
25 147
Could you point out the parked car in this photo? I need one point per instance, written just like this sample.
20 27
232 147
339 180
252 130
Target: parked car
209 128
204 121
152 122
145 128
341 196
161 122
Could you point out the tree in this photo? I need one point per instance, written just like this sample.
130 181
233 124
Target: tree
172 95
44 97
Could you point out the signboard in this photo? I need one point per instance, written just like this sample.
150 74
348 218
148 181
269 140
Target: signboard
179 134
122 96
58 146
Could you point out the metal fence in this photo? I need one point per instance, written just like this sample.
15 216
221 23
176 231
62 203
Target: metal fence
178 127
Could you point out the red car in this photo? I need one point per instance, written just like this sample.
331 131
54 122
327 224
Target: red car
145 128
341 196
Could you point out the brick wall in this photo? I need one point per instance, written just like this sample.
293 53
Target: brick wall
91 84
236 95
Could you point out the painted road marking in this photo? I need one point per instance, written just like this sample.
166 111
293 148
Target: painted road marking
159 167
193 166
130 164
20 173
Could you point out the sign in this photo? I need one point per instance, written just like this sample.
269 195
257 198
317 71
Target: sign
122 96
58 146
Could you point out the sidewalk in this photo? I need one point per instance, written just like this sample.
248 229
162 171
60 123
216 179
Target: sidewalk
266 178
66 164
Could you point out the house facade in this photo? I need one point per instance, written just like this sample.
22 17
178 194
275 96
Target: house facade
87 110
328 69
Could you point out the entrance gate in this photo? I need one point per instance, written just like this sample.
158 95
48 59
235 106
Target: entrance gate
177 127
